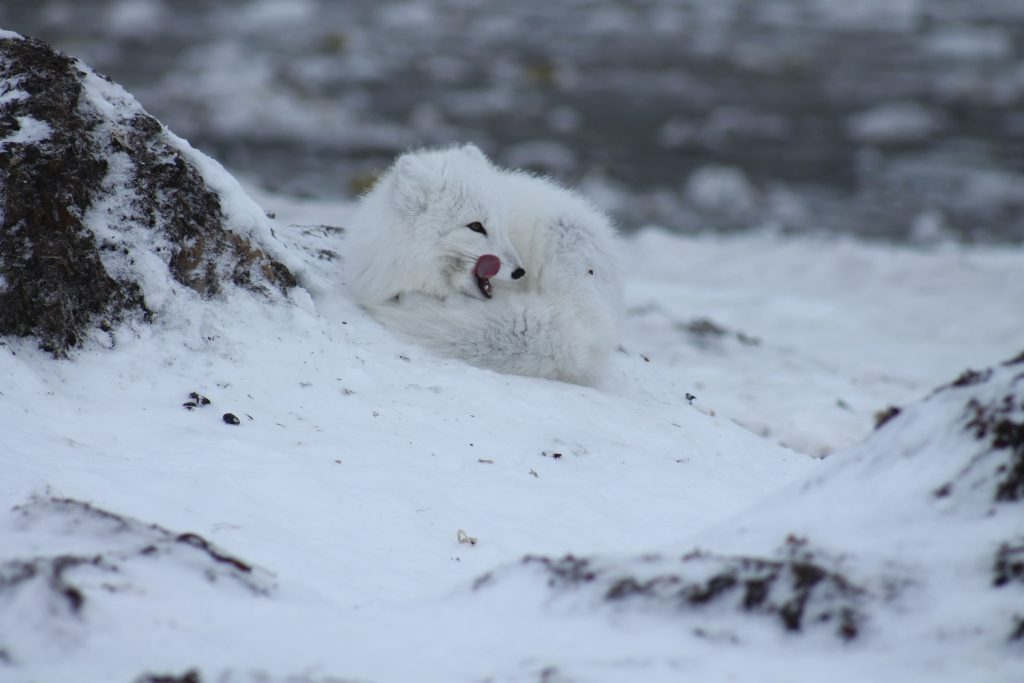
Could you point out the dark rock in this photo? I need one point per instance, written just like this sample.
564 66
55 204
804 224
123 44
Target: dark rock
883 416
231 419
75 146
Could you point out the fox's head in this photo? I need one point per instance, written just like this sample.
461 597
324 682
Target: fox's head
444 216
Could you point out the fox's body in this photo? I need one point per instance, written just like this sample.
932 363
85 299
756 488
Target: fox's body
552 309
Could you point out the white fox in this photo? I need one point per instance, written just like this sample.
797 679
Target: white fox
500 268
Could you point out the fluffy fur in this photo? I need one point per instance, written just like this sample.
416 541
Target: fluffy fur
411 257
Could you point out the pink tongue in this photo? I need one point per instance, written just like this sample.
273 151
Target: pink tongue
487 266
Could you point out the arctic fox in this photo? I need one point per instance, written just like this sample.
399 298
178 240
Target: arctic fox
500 268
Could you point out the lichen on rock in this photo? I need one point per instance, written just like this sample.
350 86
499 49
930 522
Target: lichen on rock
995 419
799 588
93 191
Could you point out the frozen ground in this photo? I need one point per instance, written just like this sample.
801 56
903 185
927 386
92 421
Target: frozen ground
335 505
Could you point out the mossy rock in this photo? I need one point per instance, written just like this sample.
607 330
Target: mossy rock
82 168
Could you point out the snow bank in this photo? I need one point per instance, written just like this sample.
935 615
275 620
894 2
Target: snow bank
358 459
912 538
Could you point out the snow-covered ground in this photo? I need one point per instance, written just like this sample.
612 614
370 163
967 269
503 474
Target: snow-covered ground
335 506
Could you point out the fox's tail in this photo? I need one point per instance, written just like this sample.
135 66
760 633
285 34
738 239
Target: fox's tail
522 334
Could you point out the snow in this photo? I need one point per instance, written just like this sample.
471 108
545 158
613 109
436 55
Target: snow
30 130
135 17
894 122
138 258
971 43
835 329
359 458
721 189
545 154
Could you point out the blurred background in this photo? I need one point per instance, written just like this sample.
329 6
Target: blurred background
901 120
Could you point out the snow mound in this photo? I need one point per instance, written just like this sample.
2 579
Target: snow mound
952 462
971 432
106 215
914 536
70 568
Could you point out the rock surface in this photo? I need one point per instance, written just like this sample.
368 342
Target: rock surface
91 188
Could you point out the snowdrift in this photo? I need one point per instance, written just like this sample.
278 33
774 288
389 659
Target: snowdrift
917 532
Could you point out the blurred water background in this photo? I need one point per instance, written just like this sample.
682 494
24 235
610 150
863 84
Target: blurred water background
894 119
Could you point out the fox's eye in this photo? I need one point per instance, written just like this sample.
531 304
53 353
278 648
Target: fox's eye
477 226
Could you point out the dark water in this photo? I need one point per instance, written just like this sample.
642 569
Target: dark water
901 119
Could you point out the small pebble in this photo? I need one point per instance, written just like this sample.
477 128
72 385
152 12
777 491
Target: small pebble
231 419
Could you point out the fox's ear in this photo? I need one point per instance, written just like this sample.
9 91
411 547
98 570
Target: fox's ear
414 181
473 151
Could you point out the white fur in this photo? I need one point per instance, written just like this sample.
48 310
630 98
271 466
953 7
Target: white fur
411 258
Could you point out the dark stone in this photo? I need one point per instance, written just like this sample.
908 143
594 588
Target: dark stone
231 419
883 416
55 284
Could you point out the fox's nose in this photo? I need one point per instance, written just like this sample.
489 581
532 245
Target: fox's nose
518 273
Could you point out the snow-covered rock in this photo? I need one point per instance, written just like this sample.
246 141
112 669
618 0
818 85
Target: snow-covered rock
106 213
